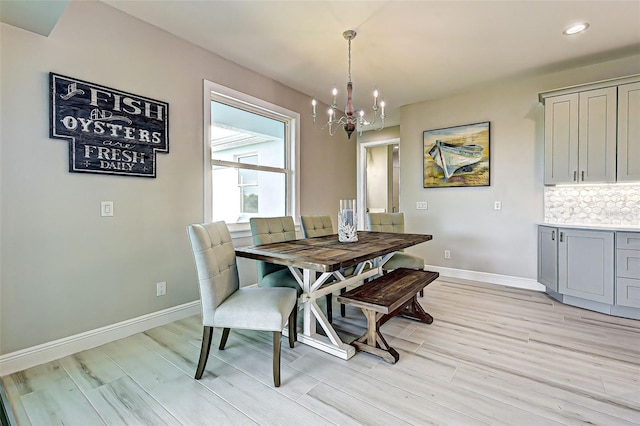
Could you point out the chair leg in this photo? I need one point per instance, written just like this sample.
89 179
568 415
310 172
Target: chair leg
329 308
343 311
421 293
207 333
293 326
276 358
223 340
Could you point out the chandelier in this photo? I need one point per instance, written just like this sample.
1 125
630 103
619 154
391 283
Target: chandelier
348 120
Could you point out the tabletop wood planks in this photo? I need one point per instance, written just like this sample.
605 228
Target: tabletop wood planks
327 254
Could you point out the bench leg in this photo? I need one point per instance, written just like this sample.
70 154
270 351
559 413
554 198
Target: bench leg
414 311
373 342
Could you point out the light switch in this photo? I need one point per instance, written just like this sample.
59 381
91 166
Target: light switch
421 205
106 208
497 205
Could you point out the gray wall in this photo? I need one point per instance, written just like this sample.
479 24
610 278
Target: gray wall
64 269
462 220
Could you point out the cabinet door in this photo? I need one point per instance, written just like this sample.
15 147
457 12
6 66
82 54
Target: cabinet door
597 135
629 132
585 264
548 257
561 139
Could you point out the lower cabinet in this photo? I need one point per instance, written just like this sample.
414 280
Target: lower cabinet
628 269
583 266
548 257
586 264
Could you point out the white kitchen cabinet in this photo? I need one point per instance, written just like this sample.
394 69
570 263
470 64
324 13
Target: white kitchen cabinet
629 132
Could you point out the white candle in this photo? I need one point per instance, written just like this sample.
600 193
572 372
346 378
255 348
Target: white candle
313 106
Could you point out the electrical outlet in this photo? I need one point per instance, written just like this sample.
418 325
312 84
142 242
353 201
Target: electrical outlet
161 288
447 254
422 205
497 205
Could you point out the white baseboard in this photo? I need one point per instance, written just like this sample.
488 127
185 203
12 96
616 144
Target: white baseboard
46 352
487 277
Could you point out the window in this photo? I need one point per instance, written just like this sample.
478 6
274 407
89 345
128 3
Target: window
250 158
248 184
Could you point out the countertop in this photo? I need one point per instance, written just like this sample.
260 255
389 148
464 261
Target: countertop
622 228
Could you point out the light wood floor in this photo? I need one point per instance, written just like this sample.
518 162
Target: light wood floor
494 355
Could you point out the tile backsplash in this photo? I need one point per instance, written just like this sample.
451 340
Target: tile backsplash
592 204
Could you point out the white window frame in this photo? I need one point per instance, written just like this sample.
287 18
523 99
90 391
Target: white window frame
213 91
243 185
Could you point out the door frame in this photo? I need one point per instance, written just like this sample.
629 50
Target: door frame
362 178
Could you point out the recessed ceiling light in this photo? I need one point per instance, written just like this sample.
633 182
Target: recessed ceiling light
576 28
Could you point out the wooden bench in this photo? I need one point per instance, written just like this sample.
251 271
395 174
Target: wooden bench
381 299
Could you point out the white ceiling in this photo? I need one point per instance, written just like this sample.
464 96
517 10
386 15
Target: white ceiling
410 50
38 16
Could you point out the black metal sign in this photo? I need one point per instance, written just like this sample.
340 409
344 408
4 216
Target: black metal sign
109 131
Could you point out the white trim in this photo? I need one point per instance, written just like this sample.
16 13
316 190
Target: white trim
361 164
542 96
46 352
293 147
505 280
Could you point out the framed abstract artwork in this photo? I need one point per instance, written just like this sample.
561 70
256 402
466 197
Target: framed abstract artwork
456 156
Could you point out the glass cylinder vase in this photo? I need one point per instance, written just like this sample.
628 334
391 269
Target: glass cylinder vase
347 222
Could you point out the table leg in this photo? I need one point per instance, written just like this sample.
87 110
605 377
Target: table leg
312 315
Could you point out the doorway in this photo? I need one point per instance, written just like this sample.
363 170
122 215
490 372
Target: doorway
378 178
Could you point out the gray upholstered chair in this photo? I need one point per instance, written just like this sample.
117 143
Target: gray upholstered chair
394 222
267 230
316 226
226 305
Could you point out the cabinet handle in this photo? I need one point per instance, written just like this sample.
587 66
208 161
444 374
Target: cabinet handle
553 235
575 175
561 236
582 175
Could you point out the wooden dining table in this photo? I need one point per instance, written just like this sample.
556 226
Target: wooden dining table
318 265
